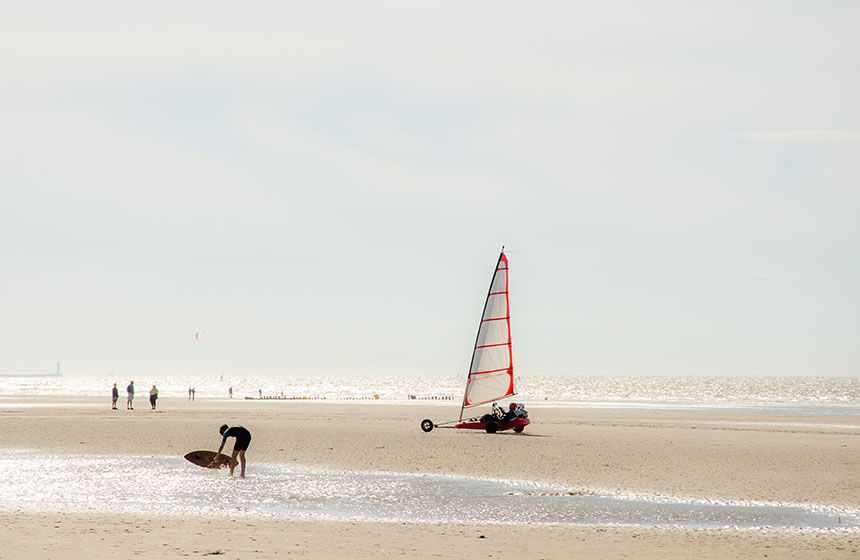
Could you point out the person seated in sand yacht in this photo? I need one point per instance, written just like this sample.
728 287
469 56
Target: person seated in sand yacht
498 413
515 411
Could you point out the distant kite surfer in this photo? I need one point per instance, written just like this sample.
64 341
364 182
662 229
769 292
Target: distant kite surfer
243 439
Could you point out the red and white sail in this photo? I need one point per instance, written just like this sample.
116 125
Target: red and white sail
491 374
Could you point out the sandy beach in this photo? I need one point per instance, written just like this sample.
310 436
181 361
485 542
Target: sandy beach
695 454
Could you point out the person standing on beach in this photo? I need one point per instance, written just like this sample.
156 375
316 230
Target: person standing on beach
114 397
243 439
130 391
153 396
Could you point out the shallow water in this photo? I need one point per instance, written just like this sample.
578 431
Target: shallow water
167 485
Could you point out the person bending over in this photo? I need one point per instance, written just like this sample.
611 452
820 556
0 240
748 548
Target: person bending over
243 439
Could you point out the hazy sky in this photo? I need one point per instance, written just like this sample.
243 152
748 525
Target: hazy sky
323 187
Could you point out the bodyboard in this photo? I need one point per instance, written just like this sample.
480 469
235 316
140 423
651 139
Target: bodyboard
206 458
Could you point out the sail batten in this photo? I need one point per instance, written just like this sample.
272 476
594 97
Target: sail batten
491 372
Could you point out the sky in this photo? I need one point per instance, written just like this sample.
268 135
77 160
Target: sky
323 188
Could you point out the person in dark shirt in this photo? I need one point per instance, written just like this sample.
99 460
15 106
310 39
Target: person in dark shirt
243 439
515 411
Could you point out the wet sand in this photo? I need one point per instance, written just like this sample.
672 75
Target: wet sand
722 456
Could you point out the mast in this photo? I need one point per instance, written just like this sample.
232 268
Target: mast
492 359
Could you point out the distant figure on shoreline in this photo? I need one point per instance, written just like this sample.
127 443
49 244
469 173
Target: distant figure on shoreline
243 439
230 392
153 396
130 391
193 393
114 397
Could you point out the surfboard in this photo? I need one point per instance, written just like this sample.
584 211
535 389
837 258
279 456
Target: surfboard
206 458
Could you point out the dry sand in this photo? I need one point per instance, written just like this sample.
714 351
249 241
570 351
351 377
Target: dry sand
796 459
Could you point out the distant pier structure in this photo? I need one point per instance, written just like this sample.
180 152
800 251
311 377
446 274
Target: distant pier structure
58 374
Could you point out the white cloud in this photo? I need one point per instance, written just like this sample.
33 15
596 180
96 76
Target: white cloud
368 168
763 275
810 136
68 151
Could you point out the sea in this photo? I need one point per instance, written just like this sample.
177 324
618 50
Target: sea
788 395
